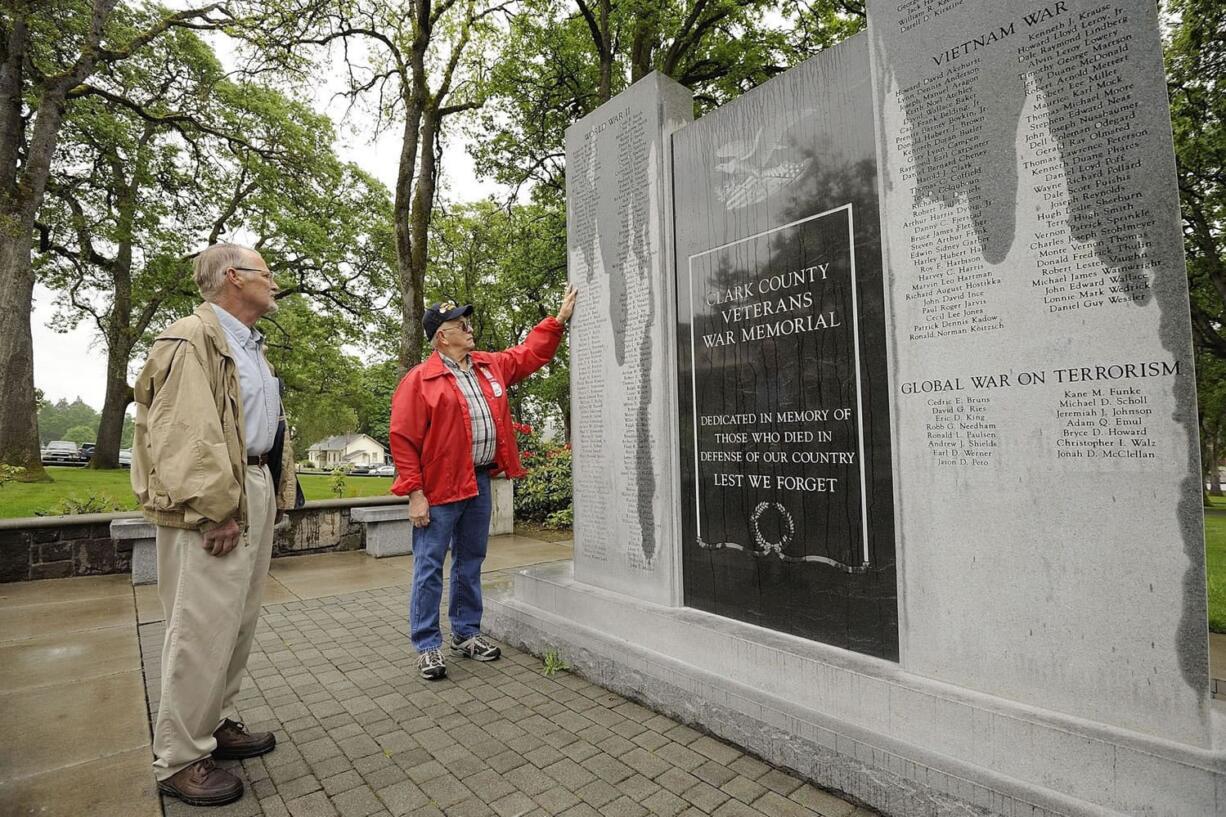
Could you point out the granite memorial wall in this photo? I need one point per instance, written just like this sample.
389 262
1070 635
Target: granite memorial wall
886 459
623 408
1043 377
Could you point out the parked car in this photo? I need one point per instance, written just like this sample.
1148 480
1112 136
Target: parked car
87 451
125 458
360 469
383 471
62 452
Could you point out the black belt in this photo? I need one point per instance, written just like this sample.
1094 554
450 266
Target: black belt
261 459
482 469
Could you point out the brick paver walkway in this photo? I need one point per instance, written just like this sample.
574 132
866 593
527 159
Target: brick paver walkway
360 734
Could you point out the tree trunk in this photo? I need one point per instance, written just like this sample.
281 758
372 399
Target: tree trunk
20 199
18 410
414 90
411 294
419 215
114 407
418 175
606 56
119 330
642 47
12 127
564 406
1214 455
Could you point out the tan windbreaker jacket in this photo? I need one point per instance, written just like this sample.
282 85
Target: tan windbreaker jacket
188 454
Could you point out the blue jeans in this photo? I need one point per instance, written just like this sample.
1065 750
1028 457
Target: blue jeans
464 527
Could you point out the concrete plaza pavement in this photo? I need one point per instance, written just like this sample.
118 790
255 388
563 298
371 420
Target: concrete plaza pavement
359 733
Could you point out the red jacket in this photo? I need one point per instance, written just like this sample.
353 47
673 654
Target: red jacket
431 432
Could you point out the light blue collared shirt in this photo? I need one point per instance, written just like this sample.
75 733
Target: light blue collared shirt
260 392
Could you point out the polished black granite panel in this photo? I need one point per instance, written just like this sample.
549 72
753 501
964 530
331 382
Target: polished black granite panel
785 443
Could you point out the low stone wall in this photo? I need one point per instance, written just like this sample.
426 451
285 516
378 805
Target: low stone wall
54 547
323 526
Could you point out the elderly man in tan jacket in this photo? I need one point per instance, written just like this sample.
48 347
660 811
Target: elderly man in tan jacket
212 469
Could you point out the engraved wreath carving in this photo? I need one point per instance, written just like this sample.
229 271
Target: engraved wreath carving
767 549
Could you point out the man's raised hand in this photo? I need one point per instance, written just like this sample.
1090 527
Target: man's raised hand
568 303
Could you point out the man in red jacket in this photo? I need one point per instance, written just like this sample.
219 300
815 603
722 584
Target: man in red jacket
450 432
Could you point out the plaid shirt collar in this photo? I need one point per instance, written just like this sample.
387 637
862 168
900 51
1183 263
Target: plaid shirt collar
456 367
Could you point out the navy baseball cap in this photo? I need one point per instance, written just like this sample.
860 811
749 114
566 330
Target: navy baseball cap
436 315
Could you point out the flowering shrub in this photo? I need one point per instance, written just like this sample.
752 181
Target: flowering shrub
543 494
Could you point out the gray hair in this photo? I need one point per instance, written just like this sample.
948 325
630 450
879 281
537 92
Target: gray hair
211 264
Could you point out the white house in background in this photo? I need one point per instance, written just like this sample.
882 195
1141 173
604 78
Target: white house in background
347 449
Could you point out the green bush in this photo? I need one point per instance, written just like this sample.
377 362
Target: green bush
561 520
338 482
10 473
93 502
544 493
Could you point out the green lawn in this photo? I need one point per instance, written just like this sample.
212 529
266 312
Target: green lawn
29 498
1215 563
319 486
114 492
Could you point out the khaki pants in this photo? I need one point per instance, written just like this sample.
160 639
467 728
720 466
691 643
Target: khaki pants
212 604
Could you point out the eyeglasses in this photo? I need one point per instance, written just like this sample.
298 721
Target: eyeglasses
463 326
265 274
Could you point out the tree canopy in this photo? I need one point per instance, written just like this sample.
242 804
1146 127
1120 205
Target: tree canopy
127 144
1196 77
76 421
1196 80
165 154
563 59
50 52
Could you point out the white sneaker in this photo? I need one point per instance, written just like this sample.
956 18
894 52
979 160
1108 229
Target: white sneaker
431 664
475 647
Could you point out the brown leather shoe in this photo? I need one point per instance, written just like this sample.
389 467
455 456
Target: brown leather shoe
234 742
203 784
